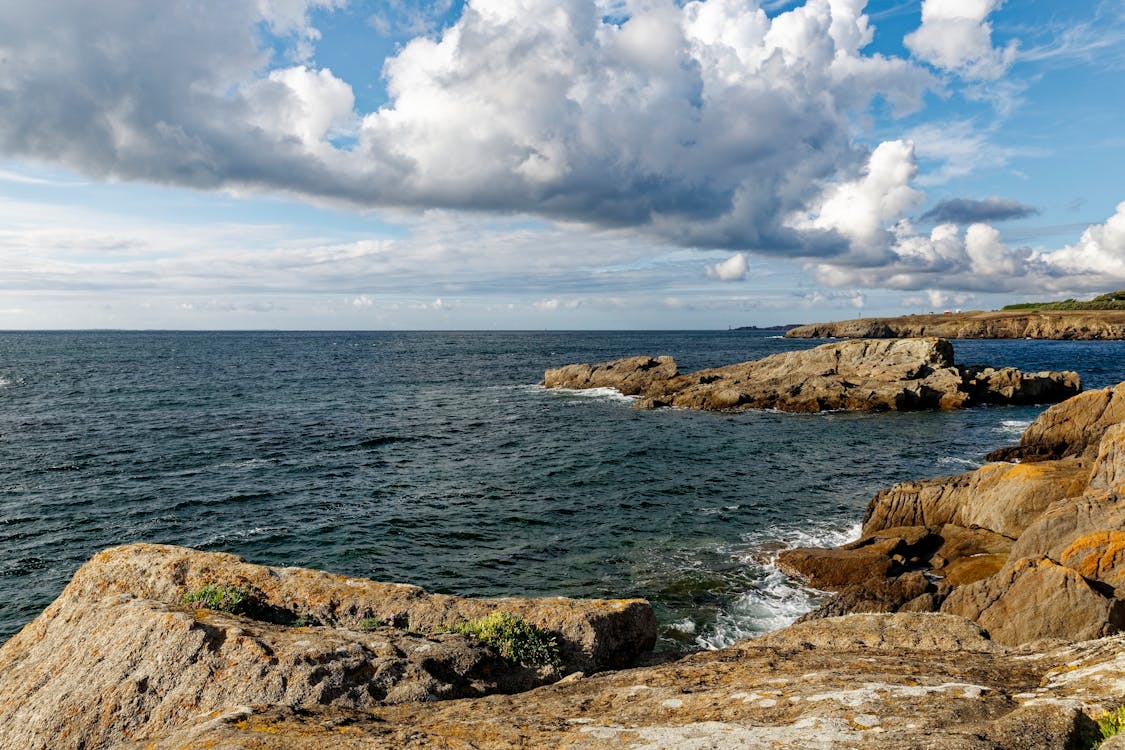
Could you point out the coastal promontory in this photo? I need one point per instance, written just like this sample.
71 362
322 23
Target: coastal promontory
864 375
995 324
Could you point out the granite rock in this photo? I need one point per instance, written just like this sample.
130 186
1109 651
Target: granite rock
851 375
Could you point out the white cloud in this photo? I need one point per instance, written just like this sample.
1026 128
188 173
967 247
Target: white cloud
732 269
955 37
861 209
1099 251
700 125
979 260
304 104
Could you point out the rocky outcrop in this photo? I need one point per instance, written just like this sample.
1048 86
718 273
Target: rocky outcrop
630 376
1003 324
852 375
879 682
592 634
1029 550
1072 428
116 657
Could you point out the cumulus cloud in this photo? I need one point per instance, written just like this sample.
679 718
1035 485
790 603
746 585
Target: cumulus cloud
969 211
731 269
978 259
956 37
1100 251
861 209
699 123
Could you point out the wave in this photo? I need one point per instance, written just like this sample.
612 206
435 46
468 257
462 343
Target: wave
775 600
958 462
1012 426
600 394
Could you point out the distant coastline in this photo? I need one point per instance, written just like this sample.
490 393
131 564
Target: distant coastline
781 329
978 324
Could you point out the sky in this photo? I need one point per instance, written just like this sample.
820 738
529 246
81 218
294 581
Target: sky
554 164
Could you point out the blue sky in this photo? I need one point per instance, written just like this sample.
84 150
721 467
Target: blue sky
554 164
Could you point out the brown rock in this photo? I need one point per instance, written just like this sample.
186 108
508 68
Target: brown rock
997 324
969 569
91 673
880 682
909 590
631 376
592 634
1068 519
1000 498
1071 428
852 375
1099 556
1109 466
867 559
1036 599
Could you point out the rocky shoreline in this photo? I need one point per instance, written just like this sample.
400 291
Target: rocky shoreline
901 375
981 611
996 324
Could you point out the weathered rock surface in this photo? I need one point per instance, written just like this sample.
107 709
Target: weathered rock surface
1035 599
592 634
853 375
1029 551
113 657
630 376
1072 428
864 681
1062 324
1001 497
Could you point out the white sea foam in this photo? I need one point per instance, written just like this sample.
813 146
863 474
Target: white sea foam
602 394
958 462
4 381
775 600
228 536
1012 426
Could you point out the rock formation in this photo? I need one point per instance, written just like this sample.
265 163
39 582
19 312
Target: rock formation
852 375
880 682
116 657
1003 324
999 597
1027 550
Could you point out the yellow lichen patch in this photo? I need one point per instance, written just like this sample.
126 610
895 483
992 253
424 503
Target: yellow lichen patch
1097 555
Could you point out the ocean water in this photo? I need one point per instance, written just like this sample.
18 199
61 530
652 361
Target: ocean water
436 459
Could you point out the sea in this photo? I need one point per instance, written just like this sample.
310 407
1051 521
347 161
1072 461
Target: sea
437 459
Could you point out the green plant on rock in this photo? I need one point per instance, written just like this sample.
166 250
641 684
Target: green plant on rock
516 639
1111 723
219 597
370 623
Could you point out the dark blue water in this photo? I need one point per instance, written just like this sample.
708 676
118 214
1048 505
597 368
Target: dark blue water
433 459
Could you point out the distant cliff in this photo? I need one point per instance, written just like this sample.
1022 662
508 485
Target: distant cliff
1002 324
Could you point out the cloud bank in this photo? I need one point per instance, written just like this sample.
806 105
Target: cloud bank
697 125
708 125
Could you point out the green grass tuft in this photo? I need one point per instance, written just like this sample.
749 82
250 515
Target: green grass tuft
516 639
1111 723
219 597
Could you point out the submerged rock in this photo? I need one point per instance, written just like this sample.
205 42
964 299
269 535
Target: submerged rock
853 375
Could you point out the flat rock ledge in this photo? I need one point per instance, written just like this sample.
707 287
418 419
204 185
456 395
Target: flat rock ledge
862 375
117 658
